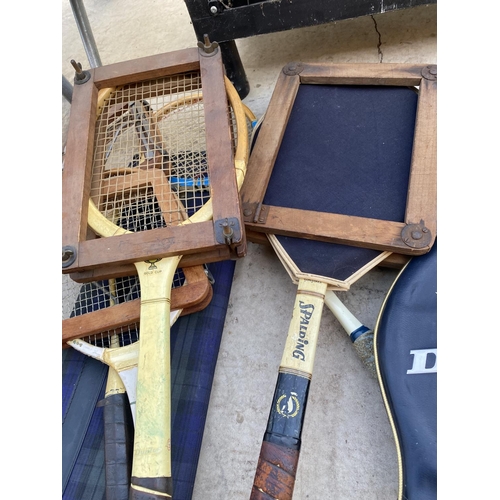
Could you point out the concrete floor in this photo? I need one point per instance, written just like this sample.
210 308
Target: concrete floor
348 449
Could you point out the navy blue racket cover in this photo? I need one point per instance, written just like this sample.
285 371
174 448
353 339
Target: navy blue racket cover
406 353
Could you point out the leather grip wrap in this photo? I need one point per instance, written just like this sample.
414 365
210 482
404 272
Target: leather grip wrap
275 475
118 440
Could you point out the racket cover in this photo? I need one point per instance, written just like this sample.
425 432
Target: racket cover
406 357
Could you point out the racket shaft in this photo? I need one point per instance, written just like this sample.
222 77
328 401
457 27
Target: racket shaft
361 336
151 468
279 454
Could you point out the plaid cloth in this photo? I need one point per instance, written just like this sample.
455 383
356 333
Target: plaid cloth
195 342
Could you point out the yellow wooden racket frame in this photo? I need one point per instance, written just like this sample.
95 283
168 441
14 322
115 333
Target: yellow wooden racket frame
104 227
152 442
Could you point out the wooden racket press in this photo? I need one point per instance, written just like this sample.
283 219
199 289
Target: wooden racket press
87 257
415 233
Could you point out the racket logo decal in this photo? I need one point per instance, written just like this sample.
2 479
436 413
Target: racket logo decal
288 406
424 361
306 312
152 266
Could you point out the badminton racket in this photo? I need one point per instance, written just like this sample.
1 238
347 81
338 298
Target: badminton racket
131 192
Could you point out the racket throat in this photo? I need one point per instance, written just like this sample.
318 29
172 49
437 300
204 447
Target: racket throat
151 468
302 338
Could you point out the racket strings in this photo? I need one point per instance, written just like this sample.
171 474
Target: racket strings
150 148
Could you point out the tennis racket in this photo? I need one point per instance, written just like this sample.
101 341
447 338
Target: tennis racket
118 348
280 449
131 192
337 143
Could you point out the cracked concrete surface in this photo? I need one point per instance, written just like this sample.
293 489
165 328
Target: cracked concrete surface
348 449
379 44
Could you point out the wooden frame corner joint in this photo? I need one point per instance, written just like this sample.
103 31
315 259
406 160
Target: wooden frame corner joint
255 212
430 72
293 68
417 236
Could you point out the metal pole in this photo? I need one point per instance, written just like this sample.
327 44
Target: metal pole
83 25
67 89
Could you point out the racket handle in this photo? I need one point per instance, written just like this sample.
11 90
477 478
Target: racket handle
361 336
275 475
151 488
118 440
363 345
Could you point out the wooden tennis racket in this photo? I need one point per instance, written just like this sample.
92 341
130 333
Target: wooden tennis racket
130 191
280 450
351 149
118 348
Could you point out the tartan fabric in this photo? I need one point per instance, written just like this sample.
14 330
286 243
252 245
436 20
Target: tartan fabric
83 458
195 342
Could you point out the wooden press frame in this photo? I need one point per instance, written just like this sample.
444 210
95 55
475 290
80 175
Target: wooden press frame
93 258
414 236
191 298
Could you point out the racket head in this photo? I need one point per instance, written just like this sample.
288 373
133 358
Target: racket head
102 343
374 131
145 154
99 296
351 148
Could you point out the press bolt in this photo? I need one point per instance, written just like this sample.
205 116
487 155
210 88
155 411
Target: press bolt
67 254
213 9
226 229
433 70
247 212
77 66
80 75
416 235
